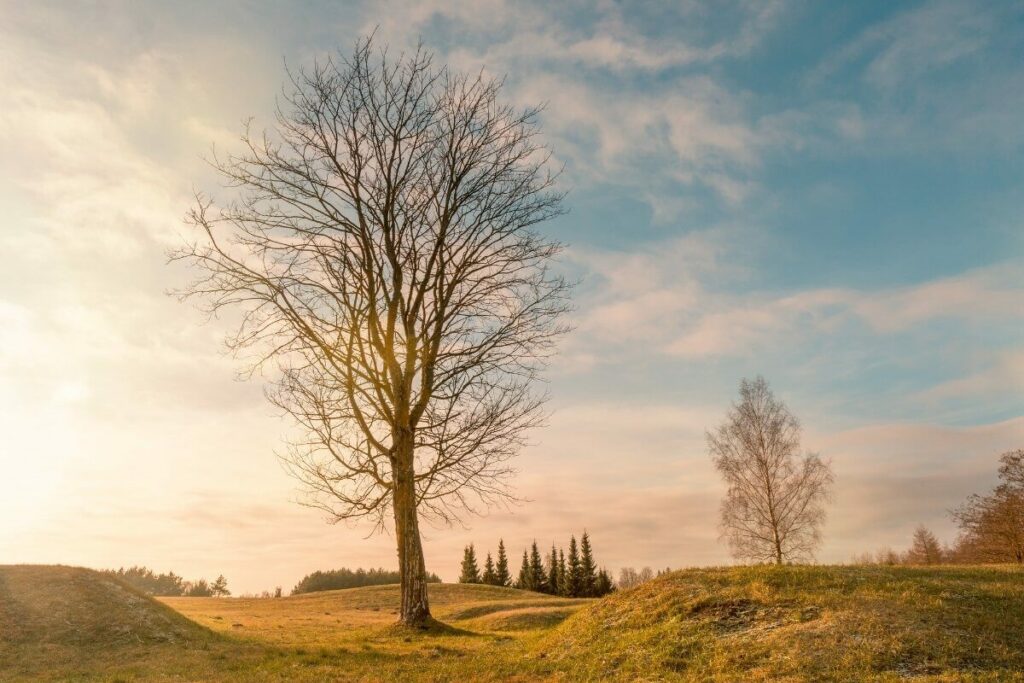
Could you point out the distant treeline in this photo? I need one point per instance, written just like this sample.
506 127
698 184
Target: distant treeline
169 584
574 575
347 578
991 527
630 577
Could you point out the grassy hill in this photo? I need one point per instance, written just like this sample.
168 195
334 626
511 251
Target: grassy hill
344 634
56 619
80 607
803 623
738 624
341 617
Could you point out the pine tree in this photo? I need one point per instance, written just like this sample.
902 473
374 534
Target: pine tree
575 571
603 585
489 577
220 587
503 578
470 570
537 577
563 578
588 567
524 574
553 571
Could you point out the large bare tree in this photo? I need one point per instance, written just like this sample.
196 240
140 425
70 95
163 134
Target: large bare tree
382 254
774 506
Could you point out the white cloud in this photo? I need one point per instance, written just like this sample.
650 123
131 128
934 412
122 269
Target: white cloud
685 131
680 297
929 79
1002 374
985 294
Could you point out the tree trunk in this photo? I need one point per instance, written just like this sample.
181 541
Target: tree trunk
415 609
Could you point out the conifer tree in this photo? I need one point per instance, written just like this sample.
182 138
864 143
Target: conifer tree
587 566
537 577
501 572
489 577
470 570
563 578
575 571
220 587
553 571
603 585
524 574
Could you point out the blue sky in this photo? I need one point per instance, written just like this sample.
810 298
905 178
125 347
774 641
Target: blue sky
828 194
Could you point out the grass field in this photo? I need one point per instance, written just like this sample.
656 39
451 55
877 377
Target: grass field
739 624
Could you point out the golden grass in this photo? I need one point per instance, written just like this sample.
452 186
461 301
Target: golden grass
335 635
804 623
738 624
340 618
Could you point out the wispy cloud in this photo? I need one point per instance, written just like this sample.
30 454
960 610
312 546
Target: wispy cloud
674 295
926 38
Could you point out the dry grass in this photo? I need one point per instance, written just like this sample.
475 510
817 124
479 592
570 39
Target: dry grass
742 624
804 623
346 635
79 607
341 618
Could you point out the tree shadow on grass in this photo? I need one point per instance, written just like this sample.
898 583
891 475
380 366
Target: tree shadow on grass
430 628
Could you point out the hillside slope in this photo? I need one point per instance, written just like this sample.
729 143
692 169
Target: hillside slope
60 605
330 618
802 623
738 624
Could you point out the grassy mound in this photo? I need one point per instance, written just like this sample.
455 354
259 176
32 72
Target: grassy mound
525 619
330 618
80 607
802 623
484 609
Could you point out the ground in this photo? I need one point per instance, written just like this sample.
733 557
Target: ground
736 624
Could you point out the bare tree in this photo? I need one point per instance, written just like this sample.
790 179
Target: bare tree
774 507
630 577
992 526
1011 468
383 255
925 548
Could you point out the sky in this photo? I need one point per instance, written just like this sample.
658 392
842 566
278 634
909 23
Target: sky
826 194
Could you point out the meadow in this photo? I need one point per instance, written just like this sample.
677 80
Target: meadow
730 624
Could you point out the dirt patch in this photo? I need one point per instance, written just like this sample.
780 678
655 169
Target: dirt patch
743 614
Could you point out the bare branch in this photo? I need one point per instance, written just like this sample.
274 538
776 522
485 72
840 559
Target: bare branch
382 252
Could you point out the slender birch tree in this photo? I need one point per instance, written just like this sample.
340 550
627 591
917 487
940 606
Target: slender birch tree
775 503
383 258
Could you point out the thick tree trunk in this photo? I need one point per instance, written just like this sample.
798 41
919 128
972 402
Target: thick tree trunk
415 609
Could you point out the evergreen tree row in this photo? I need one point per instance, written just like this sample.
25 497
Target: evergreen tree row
494 574
574 575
